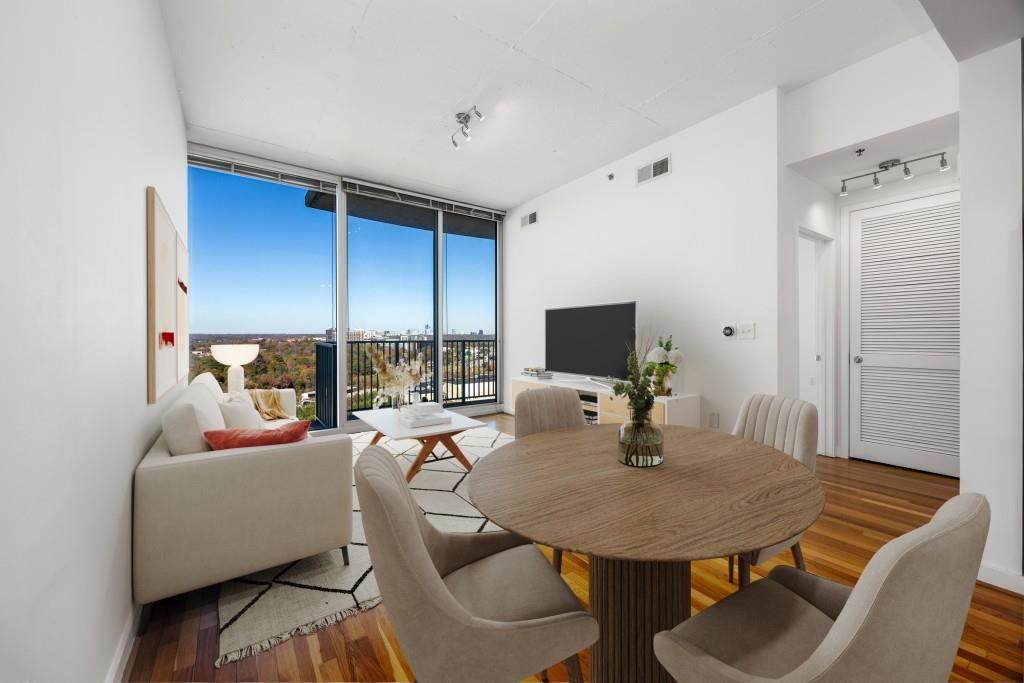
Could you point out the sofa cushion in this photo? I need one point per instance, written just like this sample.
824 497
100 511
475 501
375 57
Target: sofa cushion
195 412
274 424
239 412
222 439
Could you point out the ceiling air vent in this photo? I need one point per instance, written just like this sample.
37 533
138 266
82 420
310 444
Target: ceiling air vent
528 219
652 171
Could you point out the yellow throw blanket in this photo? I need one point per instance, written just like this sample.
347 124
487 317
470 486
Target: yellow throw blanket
268 404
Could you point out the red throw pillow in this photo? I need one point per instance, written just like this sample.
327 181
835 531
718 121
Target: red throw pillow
221 439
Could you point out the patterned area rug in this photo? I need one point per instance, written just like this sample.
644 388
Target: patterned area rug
263 609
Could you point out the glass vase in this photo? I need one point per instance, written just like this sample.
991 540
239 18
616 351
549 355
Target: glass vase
641 444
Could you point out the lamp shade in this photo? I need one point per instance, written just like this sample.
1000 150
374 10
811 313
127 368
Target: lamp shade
235 354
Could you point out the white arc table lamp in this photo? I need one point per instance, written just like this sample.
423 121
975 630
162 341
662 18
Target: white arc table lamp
235 356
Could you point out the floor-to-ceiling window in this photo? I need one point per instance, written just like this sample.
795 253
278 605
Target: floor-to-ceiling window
422 283
262 267
470 257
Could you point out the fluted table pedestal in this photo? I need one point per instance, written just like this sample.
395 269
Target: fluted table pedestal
632 601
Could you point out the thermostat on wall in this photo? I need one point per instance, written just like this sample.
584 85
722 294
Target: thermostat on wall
738 330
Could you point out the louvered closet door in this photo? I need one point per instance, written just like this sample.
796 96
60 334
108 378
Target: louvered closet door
905 334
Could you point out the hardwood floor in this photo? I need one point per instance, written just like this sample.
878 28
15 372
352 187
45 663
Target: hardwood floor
866 504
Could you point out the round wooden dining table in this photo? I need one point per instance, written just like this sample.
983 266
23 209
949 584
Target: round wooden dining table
715 495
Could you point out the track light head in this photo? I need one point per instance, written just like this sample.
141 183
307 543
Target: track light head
943 164
455 144
477 112
465 133
842 190
907 175
875 183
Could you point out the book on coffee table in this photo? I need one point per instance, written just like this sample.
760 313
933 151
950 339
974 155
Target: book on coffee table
414 421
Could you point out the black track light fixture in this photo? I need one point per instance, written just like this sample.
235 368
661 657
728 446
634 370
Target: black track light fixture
890 164
464 119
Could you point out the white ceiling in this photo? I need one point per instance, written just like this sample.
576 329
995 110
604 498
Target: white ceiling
929 137
368 88
968 31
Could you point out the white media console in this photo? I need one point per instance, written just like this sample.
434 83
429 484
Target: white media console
601 406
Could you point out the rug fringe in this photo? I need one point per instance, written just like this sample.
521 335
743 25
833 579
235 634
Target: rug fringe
304 630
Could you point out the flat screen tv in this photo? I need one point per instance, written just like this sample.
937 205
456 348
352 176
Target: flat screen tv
589 340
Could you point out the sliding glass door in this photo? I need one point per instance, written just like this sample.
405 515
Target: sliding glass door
470 258
422 284
392 293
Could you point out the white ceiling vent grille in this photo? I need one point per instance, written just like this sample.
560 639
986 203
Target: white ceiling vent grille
653 170
528 219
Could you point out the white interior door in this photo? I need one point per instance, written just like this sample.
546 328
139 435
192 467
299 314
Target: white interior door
905 334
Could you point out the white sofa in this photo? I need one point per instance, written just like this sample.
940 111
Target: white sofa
202 516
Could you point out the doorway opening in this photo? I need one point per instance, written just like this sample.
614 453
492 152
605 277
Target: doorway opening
812 330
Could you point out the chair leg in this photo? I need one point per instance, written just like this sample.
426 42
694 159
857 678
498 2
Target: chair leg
556 559
744 572
344 554
572 667
732 566
798 557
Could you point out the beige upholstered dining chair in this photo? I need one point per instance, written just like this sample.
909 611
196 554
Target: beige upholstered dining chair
542 410
465 606
901 622
791 426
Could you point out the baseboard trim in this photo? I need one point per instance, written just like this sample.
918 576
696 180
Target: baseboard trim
118 664
1000 578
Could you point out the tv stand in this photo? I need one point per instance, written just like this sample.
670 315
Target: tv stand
601 406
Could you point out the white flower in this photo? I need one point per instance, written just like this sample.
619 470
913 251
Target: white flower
675 357
657 355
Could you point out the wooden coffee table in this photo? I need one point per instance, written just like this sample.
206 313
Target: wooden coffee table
385 421
716 495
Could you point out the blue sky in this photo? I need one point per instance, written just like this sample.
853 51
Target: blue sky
261 261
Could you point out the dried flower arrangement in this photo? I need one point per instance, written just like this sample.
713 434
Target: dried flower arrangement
396 381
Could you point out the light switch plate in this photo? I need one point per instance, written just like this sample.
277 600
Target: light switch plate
745 330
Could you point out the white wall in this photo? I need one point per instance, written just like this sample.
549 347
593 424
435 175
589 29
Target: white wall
90 117
907 84
695 249
991 365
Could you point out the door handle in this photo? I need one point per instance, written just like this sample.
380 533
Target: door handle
858 359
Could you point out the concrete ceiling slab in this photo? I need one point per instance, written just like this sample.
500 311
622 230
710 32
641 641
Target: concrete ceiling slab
369 88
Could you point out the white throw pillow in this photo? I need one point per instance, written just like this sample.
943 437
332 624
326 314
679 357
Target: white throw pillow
239 412
184 422
207 380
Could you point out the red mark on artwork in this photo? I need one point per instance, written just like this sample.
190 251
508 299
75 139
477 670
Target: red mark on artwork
166 339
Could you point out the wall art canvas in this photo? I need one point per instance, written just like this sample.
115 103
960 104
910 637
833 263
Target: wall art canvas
166 333
181 339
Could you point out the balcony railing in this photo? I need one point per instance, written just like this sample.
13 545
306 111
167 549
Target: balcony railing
470 372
